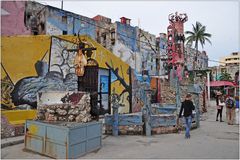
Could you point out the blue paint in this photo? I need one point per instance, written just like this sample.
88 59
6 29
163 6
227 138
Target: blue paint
115 121
164 110
62 141
104 82
70 25
57 23
125 119
86 26
163 120
127 31
75 23
113 77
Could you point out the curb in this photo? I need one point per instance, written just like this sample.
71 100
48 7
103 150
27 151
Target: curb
7 144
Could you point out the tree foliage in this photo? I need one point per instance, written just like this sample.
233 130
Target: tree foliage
197 35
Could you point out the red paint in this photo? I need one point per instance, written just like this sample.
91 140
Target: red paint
175 47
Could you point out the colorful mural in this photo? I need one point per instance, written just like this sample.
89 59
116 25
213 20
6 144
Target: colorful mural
137 103
61 59
6 88
28 80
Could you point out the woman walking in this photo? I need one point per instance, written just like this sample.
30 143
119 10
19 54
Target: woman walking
187 107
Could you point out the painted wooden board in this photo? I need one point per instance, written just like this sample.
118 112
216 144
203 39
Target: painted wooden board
125 119
163 120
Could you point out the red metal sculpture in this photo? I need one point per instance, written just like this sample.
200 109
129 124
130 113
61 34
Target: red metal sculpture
175 49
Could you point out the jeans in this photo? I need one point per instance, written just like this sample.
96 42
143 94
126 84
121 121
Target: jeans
188 122
219 112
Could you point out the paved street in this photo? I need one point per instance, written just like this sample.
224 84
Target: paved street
212 140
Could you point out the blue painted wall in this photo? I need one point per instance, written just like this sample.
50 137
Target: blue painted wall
125 32
74 23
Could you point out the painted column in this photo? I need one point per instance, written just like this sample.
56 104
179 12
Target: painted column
147 105
147 112
115 102
208 85
178 99
198 110
115 121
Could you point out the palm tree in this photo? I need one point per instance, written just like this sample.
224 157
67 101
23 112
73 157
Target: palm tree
198 35
225 77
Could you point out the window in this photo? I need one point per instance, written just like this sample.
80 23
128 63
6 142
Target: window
64 19
35 32
64 32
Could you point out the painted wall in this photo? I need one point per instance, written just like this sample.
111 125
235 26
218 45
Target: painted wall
137 90
163 53
23 71
127 31
146 45
60 22
12 18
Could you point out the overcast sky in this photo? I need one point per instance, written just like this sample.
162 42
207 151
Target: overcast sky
221 18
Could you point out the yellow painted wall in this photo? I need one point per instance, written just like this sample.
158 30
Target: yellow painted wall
20 53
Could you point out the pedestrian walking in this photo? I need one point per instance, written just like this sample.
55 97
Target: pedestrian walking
237 110
230 109
187 108
220 104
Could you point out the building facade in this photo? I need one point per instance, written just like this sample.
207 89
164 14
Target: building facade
202 59
231 64
161 42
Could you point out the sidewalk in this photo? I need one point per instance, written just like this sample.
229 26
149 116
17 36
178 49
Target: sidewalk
6 142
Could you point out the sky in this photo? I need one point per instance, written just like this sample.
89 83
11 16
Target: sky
221 18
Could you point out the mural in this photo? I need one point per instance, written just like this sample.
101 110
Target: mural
127 55
61 59
35 51
148 50
137 103
6 88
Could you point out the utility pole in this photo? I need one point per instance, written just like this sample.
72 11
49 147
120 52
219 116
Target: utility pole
62 4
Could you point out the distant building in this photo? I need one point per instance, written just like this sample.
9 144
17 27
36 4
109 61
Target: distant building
232 59
231 64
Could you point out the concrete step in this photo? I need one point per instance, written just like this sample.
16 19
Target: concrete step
11 141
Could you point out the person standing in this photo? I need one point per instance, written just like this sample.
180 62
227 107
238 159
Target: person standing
237 110
230 109
187 108
220 103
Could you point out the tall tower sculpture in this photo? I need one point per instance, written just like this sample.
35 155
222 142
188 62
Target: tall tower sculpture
175 48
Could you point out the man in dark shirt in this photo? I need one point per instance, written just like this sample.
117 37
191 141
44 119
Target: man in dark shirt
187 107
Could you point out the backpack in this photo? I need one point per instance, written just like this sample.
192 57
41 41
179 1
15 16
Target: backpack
229 103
